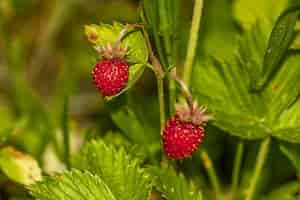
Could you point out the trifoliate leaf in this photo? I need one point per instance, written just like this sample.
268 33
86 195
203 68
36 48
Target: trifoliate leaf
121 174
19 167
75 185
232 91
172 186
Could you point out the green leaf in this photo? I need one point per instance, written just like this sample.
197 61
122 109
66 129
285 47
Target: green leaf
283 97
118 170
19 167
247 13
285 192
240 125
229 88
279 41
73 185
138 121
218 32
292 152
137 48
103 34
172 186
224 88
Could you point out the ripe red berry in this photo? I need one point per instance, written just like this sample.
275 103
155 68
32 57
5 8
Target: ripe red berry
181 138
111 76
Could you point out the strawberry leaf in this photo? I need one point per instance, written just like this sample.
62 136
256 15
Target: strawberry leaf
73 185
115 167
229 87
172 186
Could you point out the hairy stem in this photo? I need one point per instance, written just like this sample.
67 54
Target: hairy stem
237 168
212 175
184 88
193 40
172 93
160 89
159 74
261 158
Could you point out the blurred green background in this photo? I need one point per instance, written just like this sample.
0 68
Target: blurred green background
46 64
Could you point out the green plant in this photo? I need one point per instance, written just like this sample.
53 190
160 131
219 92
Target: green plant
244 72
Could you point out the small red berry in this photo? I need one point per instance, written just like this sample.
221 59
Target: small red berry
111 76
181 138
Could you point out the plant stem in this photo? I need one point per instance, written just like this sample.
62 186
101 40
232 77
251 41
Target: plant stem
236 168
212 175
193 40
159 74
172 93
261 158
160 89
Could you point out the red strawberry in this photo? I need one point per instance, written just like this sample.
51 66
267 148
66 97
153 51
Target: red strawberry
184 132
111 76
181 139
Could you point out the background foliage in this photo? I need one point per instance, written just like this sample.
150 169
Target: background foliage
246 71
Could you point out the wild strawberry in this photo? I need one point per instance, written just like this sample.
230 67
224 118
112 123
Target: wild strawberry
111 76
184 132
111 73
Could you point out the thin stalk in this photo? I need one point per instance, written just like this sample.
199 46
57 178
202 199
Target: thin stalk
156 37
193 40
237 168
212 175
172 92
160 90
261 159
159 74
